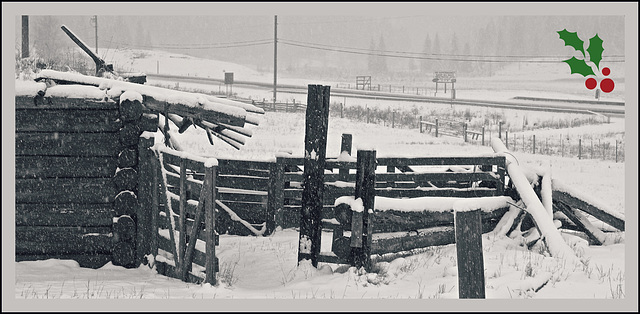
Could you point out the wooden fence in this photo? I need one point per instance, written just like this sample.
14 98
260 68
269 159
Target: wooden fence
184 222
286 106
451 128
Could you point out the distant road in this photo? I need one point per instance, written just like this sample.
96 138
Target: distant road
523 103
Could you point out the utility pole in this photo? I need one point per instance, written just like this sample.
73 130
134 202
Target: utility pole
275 57
25 36
95 21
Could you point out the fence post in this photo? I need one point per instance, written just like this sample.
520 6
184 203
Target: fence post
579 148
211 262
365 190
500 129
506 138
345 146
561 146
317 121
341 110
275 196
483 135
464 131
534 143
420 124
616 151
436 127
144 231
393 119
591 148
468 234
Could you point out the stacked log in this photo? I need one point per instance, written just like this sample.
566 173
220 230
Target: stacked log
135 119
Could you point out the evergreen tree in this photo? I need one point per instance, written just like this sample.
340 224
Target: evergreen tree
454 65
372 66
466 66
382 60
426 64
437 64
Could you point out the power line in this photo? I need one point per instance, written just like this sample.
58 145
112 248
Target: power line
201 46
383 54
351 20
428 54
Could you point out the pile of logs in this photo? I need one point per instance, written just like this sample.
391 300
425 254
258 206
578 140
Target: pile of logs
221 118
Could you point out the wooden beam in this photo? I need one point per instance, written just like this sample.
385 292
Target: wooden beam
596 235
590 209
196 112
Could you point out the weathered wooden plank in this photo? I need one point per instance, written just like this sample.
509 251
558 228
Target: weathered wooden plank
425 238
65 190
69 167
245 172
210 237
596 235
400 193
63 240
588 208
27 102
443 176
439 161
471 282
62 215
243 182
67 144
92 260
66 120
229 165
242 197
275 199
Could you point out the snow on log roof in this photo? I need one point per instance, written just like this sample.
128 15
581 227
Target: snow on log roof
223 118
195 100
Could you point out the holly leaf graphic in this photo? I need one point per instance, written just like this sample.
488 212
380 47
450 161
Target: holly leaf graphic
579 66
572 39
595 50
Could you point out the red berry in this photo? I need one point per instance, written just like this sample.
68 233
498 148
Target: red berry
607 85
606 71
591 83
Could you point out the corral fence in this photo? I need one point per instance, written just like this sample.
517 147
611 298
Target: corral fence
389 88
287 106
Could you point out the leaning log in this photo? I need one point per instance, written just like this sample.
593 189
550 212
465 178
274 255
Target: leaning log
553 238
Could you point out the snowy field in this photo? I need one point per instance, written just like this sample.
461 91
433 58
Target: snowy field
265 268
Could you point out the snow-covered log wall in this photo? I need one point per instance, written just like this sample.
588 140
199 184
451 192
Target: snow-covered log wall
66 158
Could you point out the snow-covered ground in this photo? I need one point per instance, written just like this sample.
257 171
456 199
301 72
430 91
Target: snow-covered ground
265 268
